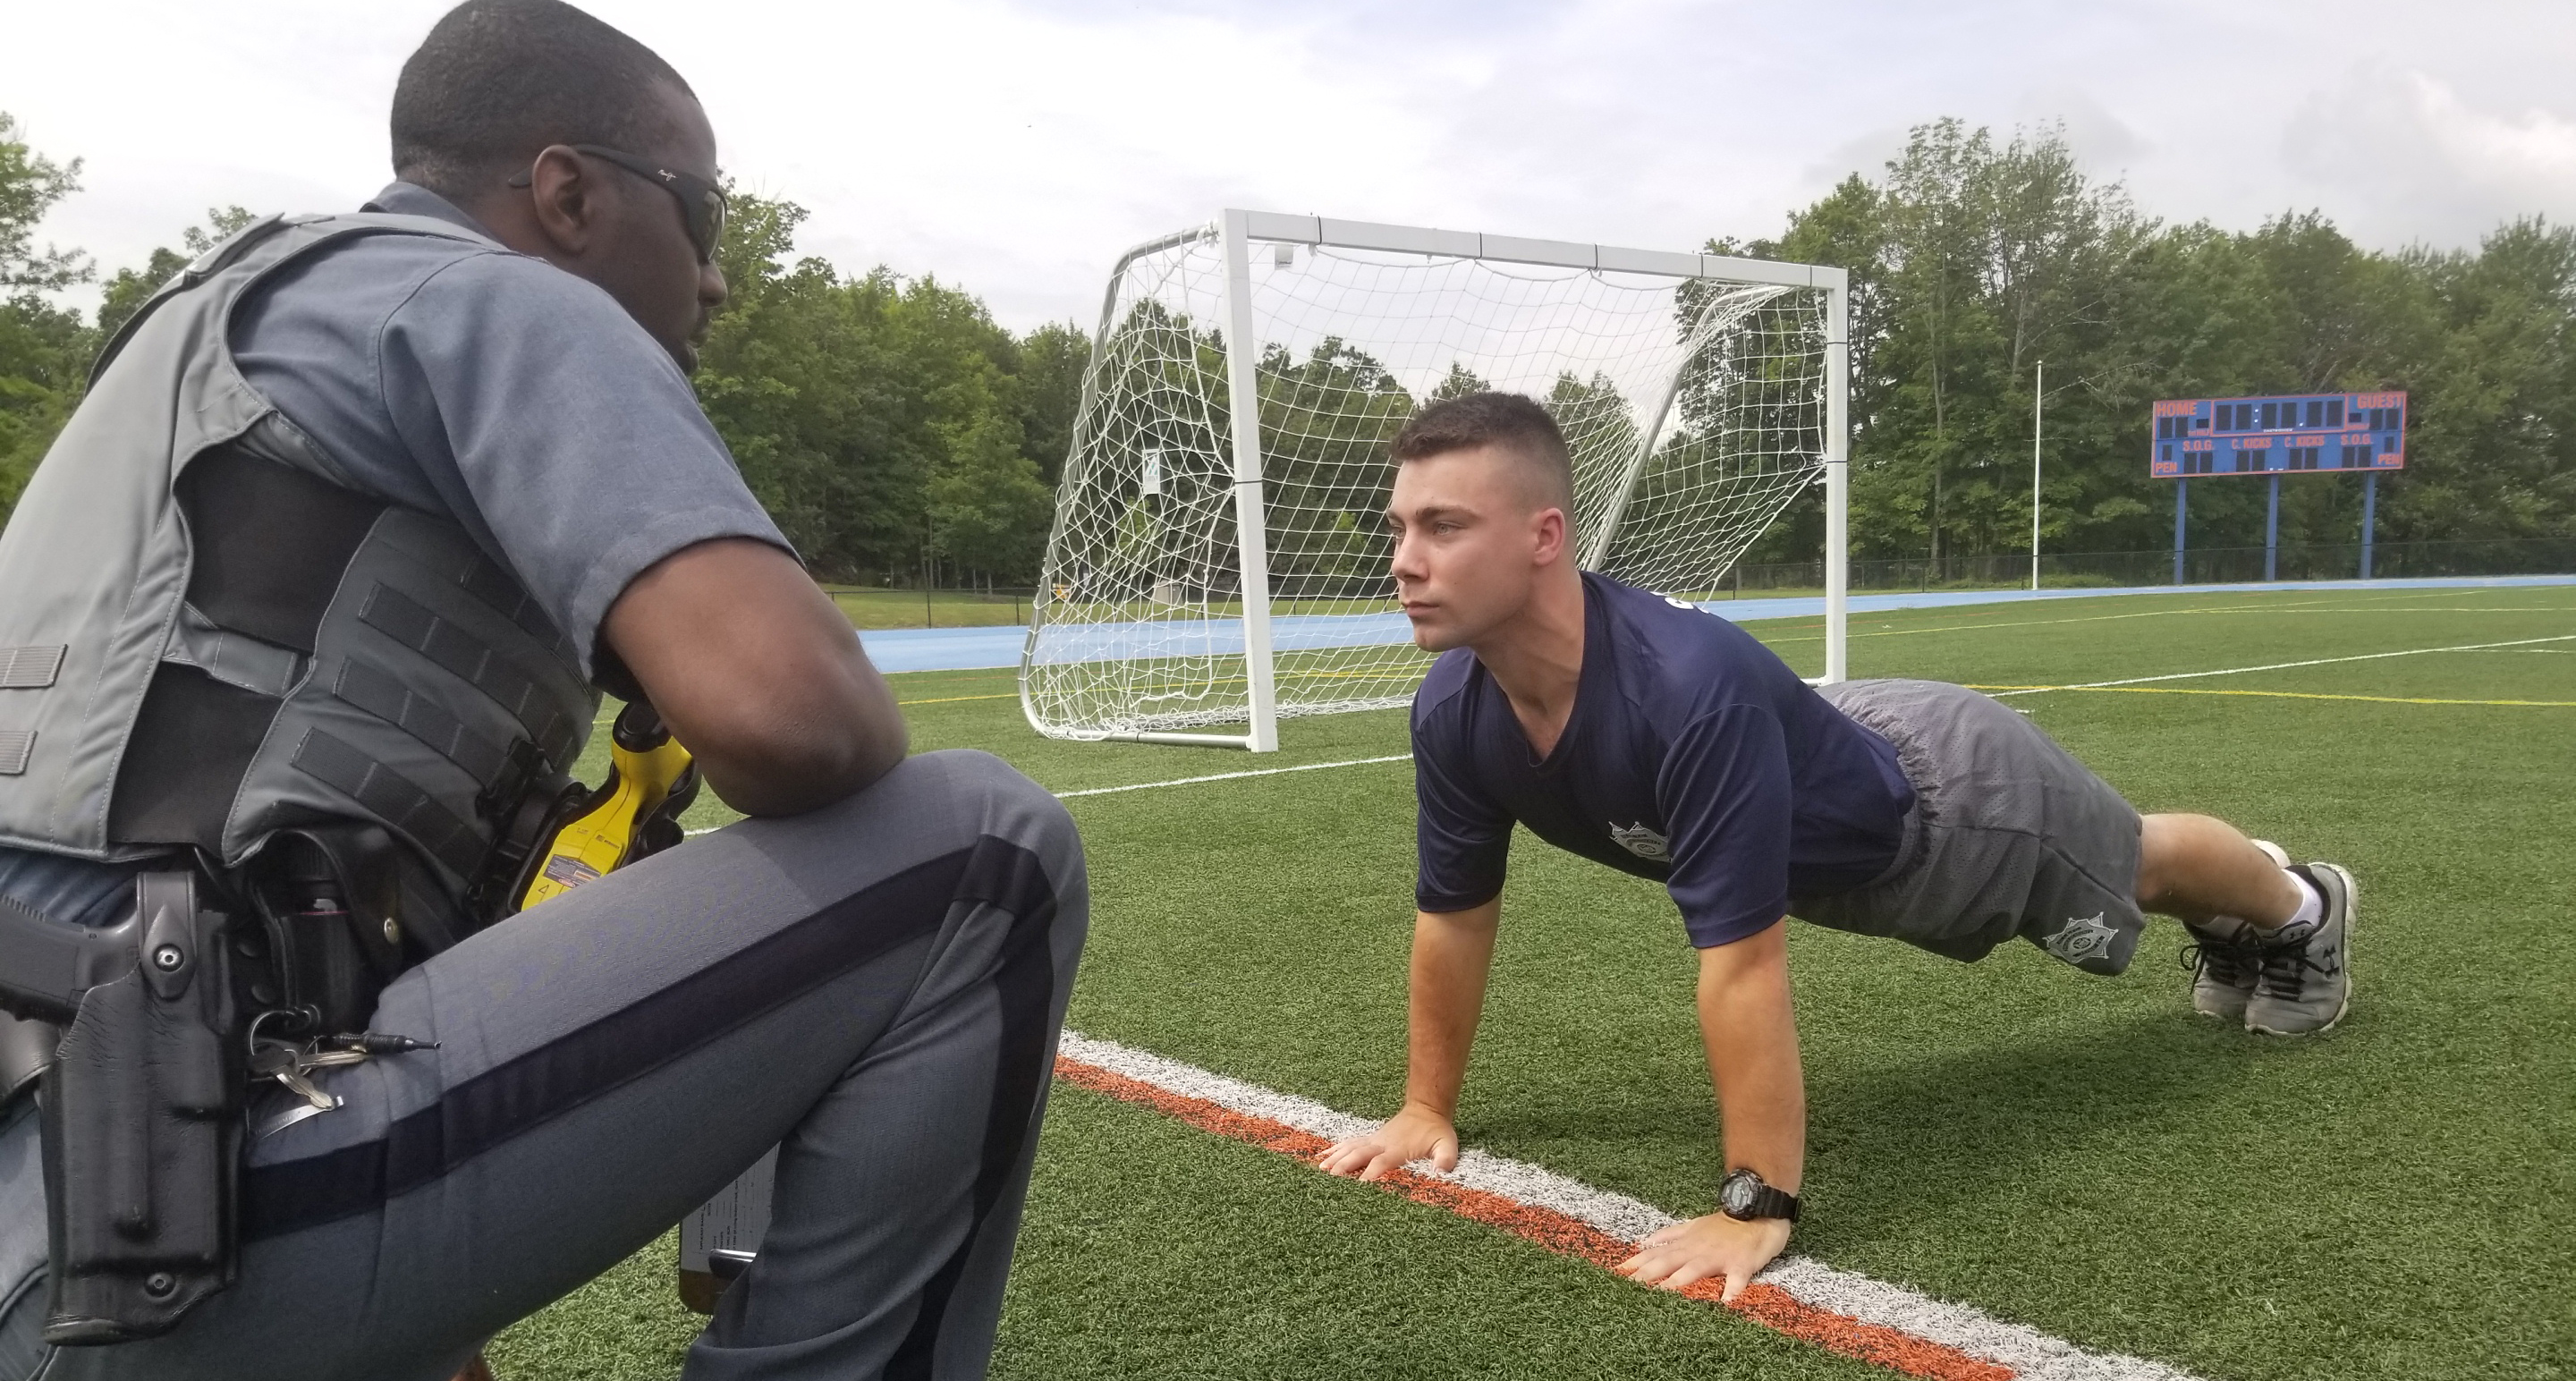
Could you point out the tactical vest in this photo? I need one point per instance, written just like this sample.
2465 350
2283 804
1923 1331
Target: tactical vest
207 636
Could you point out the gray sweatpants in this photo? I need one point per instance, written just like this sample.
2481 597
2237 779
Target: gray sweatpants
878 985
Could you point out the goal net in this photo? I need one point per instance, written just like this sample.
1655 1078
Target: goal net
1697 394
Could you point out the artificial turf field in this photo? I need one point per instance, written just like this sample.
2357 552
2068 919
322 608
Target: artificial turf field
2395 1198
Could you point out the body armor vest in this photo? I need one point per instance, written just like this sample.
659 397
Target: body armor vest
207 637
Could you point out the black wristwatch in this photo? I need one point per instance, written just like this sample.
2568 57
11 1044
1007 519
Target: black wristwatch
1744 1197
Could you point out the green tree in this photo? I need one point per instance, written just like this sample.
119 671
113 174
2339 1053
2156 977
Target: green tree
1052 361
2493 398
30 185
43 348
881 420
1971 260
130 288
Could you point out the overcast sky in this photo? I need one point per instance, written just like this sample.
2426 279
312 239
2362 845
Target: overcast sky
1015 148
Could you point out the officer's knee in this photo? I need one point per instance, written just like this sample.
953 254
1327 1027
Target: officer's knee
1005 803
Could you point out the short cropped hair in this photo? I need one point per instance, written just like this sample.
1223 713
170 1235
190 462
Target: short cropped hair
498 80
1509 422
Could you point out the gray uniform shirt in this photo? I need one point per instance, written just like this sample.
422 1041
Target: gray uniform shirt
491 388
498 390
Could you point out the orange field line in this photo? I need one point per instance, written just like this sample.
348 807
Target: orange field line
1565 1235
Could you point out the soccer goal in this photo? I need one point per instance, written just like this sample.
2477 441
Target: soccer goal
1219 554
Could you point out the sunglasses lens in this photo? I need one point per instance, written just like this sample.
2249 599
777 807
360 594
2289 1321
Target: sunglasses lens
711 220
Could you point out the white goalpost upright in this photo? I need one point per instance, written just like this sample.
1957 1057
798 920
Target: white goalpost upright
1218 560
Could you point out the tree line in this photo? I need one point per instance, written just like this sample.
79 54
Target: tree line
899 434
896 432
1972 260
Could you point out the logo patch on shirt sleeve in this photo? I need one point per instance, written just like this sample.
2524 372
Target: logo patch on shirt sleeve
1643 842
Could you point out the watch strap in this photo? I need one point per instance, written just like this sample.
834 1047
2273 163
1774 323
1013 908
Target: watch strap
1773 1203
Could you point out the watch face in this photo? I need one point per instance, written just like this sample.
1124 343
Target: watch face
1736 1194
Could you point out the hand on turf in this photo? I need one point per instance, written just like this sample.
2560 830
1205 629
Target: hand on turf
1402 1139
1706 1249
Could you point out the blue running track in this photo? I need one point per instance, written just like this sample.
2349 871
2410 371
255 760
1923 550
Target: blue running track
971 649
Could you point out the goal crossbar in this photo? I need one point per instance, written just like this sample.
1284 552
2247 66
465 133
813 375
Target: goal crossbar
1324 231
1234 233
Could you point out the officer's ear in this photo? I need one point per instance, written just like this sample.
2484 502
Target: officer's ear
568 202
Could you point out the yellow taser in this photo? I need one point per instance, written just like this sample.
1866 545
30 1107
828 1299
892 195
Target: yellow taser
651 778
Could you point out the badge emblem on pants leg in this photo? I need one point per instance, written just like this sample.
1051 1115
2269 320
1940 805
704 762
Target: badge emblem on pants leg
2082 938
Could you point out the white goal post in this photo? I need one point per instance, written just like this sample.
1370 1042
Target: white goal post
1219 556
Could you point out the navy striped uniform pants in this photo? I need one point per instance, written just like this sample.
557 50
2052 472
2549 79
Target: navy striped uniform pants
876 987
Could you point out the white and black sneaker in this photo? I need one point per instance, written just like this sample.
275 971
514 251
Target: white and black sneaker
2224 964
2225 957
2305 983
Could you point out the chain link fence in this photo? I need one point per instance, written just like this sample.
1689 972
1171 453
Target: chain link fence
2207 566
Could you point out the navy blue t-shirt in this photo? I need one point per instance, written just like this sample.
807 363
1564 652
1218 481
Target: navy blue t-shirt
1694 756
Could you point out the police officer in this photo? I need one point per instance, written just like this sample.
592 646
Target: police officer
358 516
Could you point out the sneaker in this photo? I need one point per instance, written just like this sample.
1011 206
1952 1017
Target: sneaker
2306 983
2223 959
2224 964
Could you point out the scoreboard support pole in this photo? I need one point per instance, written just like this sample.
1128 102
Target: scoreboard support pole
2182 511
2369 517
2272 531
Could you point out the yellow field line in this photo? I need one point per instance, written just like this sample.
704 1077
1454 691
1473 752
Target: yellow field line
2286 695
2277 608
941 700
1167 685
1179 685
2026 623
2434 609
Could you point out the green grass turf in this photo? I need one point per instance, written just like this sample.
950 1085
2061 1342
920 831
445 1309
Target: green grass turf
2393 1199
1159 1251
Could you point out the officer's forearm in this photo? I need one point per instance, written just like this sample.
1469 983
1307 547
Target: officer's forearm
759 675
795 767
1746 1017
1452 953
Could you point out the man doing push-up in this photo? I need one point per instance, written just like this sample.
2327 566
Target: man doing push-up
1646 734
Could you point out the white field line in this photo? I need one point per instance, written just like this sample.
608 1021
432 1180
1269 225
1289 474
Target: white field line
1233 776
1999 695
2030 1353
2287 666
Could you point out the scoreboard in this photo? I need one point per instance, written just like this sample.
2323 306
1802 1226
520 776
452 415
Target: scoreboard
2297 432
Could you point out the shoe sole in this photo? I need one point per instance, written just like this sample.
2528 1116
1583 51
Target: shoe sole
2221 1014
2351 914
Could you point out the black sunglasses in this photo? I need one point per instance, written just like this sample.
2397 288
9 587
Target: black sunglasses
701 202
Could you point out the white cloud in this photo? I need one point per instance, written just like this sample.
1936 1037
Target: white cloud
1015 147
2409 158
2105 144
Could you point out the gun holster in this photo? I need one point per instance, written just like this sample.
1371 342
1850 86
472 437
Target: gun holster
141 1107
